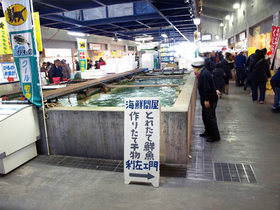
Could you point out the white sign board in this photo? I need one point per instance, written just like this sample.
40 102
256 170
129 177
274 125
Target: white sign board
142 140
7 71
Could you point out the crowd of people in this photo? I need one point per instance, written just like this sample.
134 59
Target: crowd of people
62 70
214 72
253 72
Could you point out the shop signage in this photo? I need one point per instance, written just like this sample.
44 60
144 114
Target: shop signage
197 36
242 36
9 71
276 16
38 31
206 37
19 25
274 40
94 46
5 45
142 140
82 51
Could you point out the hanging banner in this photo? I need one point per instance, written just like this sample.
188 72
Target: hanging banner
19 24
38 31
5 45
82 51
142 140
274 40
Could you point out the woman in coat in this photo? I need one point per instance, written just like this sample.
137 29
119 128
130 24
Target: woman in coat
227 64
260 73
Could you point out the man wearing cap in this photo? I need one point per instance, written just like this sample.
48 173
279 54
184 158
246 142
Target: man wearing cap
55 71
208 99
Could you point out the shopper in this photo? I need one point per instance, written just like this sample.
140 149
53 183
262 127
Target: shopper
275 83
44 67
227 65
240 61
219 81
266 57
209 64
55 71
77 65
89 65
66 71
208 99
260 73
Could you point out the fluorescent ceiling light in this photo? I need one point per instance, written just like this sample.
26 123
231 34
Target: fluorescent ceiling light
227 17
144 39
75 33
236 5
164 35
196 21
222 24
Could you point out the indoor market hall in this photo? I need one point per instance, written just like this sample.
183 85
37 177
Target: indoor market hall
139 104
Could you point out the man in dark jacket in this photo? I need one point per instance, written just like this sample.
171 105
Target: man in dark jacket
240 61
55 71
275 83
208 99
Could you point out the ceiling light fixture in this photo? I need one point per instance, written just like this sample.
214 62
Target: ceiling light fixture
75 33
227 17
144 39
222 24
236 6
196 21
217 36
164 35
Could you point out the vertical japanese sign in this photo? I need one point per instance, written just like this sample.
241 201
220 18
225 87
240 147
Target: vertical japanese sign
82 51
19 24
274 40
5 45
142 140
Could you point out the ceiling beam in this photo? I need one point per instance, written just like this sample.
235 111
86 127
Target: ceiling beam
53 6
143 24
212 16
159 12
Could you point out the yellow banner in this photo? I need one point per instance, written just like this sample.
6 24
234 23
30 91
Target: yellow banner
5 45
38 31
251 50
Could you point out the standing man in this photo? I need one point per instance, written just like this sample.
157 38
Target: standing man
77 65
208 99
240 61
55 71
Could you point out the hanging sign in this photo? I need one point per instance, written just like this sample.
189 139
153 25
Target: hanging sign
142 140
82 51
18 20
274 40
38 31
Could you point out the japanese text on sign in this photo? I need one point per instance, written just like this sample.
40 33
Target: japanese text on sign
142 137
25 69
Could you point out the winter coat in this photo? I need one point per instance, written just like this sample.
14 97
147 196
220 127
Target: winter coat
227 66
206 87
66 71
260 71
275 80
218 74
55 72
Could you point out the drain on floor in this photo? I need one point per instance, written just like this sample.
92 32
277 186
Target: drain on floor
232 172
105 165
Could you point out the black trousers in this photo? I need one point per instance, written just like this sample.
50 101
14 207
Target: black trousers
210 121
240 77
